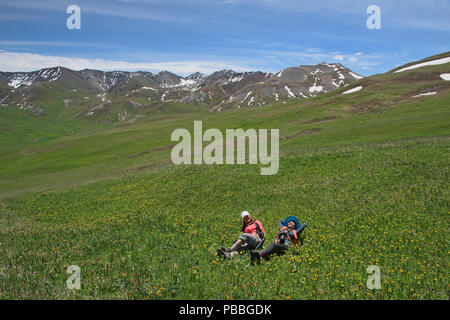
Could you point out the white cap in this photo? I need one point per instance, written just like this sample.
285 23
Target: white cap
244 213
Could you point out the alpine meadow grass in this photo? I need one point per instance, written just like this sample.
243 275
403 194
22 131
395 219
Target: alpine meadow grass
367 171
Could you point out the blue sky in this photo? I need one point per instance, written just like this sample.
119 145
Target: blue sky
208 35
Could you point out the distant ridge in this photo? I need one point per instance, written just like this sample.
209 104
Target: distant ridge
219 90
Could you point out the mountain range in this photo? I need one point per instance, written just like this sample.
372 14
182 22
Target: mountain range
91 96
115 95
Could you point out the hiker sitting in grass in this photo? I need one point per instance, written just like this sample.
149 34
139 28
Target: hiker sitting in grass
250 239
288 233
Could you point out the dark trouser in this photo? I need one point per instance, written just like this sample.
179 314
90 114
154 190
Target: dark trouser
273 248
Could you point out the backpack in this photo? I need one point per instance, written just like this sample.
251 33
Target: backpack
259 231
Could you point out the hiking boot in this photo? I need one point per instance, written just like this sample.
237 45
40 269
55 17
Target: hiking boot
220 253
254 255
224 254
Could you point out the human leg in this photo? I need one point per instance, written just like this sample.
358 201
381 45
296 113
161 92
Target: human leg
273 248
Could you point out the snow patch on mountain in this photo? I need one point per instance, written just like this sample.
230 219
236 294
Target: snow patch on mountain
164 95
102 96
187 83
289 92
1 102
303 95
248 94
445 76
315 88
356 89
424 94
354 75
425 64
19 79
236 79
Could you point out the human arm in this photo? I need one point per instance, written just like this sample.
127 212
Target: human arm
280 224
261 227
276 237
295 237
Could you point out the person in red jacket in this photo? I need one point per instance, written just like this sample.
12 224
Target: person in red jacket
251 237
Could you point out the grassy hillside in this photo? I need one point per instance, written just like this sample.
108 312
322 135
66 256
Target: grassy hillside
367 171
383 110
155 236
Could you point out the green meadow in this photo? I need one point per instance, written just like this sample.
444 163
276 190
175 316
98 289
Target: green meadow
368 172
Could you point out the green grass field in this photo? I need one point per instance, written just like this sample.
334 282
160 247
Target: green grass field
368 172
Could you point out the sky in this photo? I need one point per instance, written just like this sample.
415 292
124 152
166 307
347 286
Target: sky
209 35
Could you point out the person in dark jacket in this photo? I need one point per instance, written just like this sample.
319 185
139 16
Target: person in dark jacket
288 231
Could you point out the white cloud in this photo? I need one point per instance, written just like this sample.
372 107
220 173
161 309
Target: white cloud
50 43
145 10
17 61
262 60
313 50
18 17
357 59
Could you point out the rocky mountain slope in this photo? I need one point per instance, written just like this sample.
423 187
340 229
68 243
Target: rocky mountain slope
219 90
50 101
127 96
